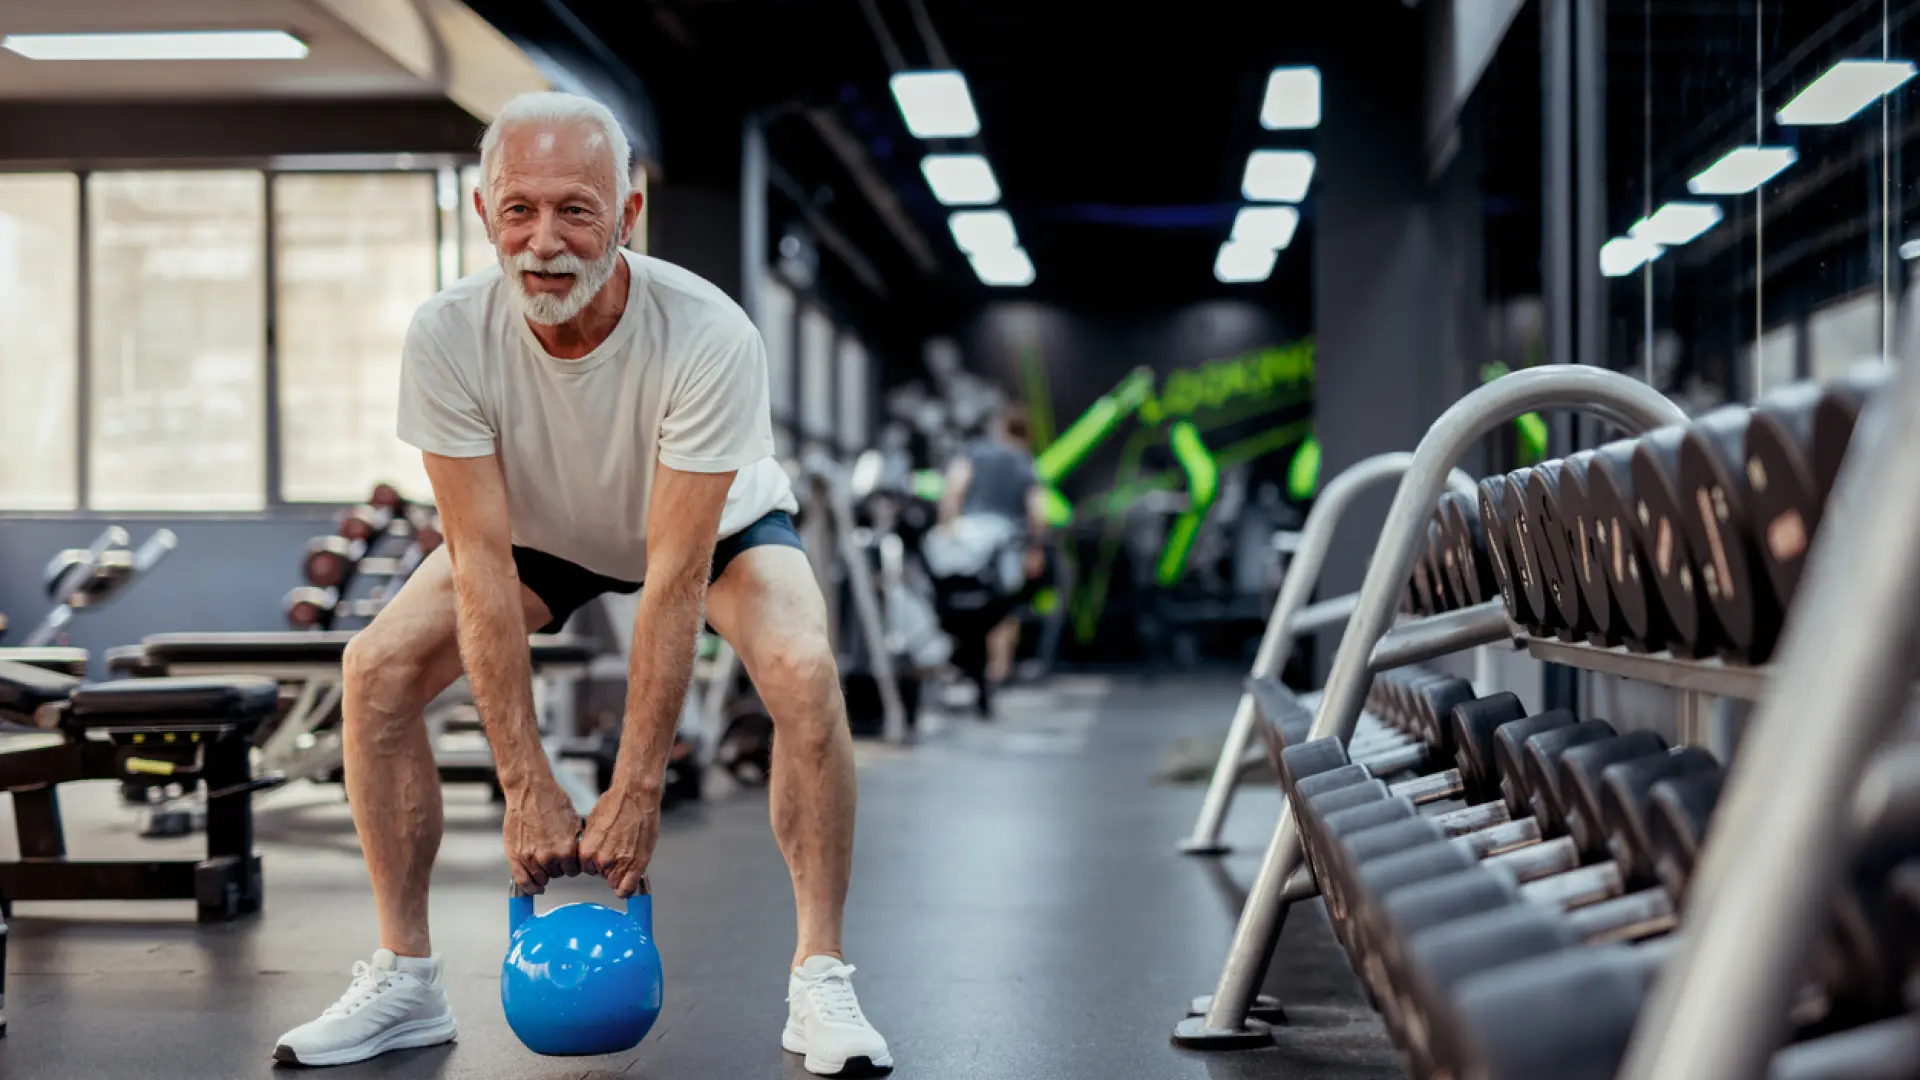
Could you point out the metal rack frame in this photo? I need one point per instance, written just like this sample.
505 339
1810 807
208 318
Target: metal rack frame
1292 616
1609 395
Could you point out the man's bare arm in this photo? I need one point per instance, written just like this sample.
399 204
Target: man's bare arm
683 521
953 494
471 496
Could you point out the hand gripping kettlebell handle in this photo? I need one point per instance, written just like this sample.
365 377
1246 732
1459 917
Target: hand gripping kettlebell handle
520 905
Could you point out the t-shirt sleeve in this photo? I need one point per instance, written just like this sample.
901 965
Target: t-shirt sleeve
719 419
439 412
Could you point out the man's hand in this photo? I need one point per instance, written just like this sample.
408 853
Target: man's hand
542 835
621 831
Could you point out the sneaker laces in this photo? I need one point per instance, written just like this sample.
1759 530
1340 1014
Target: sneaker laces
831 994
367 982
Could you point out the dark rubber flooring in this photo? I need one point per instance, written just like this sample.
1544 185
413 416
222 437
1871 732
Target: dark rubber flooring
1018 911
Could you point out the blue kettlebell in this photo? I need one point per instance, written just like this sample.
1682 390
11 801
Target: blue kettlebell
581 979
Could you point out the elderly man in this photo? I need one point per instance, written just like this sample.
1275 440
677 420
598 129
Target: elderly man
590 419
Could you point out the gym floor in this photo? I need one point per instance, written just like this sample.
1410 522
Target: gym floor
1018 910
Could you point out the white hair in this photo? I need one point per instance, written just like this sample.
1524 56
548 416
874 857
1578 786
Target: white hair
549 108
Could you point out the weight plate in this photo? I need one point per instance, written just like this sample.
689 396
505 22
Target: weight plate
1526 565
1784 500
1713 484
1494 527
1658 514
1549 525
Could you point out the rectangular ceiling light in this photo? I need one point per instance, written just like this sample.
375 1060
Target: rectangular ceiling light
1676 223
1292 101
159 45
983 230
1740 171
1277 176
936 104
960 179
1846 88
1007 266
1238 263
1622 255
1265 226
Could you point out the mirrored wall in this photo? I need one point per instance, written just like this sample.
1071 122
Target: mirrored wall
1760 189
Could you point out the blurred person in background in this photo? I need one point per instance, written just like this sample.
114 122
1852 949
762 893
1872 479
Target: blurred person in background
992 505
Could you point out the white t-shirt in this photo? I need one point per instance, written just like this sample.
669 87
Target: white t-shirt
681 380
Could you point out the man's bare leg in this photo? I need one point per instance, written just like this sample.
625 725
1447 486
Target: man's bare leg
769 608
394 668
1002 642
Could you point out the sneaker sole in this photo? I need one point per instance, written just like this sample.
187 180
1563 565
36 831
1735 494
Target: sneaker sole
412 1035
795 1042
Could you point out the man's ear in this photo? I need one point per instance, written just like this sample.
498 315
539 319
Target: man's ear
480 208
631 217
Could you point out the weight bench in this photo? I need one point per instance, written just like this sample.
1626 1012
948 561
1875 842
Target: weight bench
196 729
307 666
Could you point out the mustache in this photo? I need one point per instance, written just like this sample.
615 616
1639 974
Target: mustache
527 262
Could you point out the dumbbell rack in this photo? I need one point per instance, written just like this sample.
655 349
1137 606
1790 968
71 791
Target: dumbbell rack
1780 836
1293 616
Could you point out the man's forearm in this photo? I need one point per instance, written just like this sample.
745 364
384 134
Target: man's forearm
667 628
493 647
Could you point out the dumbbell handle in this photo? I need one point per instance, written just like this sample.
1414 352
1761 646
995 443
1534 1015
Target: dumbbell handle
1499 841
1425 789
1556 856
1578 887
1624 918
1398 759
1473 819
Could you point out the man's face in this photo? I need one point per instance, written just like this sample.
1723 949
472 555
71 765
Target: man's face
553 219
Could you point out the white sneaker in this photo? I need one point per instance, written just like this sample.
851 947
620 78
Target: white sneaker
825 1023
393 1004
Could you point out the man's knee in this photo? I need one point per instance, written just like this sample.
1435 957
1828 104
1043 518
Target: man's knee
801 668
385 674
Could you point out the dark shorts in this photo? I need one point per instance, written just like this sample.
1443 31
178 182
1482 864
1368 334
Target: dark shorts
564 587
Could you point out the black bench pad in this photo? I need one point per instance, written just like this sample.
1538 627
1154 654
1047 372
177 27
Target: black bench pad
234 699
25 688
64 659
308 647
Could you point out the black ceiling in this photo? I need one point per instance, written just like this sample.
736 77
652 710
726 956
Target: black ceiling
1118 132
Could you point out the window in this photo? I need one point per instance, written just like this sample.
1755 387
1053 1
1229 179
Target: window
816 375
354 257
39 339
776 316
853 394
177 283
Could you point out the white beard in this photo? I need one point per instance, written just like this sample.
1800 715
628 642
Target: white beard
588 279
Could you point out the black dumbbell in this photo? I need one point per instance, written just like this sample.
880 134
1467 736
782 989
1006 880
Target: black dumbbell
1424 600
1621 550
1625 793
1836 416
1492 504
1346 860
1433 705
1540 769
1452 967
1348 812
1660 510
329 561
1514 745
1580 790
1432 553
1473 725
1320 765
1400 698
1713 486
1468 543
1590 574
1784 499
1679 811
1529 571
1548 525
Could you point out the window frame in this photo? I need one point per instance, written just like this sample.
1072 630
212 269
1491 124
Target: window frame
274 504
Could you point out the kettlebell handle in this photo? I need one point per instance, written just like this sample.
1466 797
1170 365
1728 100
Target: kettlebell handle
520 906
